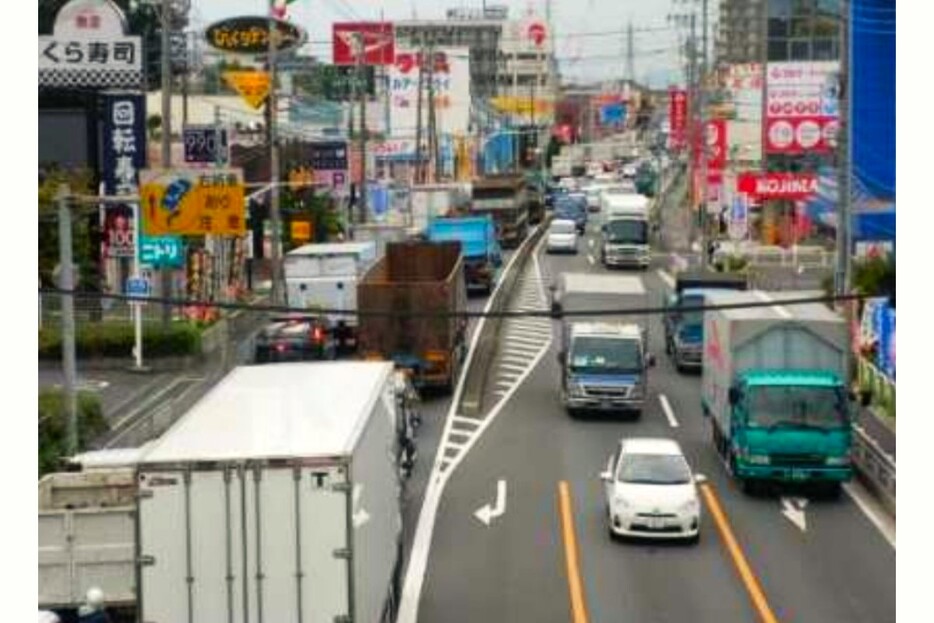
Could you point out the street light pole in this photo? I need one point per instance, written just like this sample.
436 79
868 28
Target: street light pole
66 283
274 216
166 64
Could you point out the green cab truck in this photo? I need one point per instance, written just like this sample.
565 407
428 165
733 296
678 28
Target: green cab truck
774 385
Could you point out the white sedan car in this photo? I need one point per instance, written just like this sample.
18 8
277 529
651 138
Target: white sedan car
562 236
651 492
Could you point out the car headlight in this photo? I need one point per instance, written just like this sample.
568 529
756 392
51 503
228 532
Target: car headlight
636 392
576 389
621 502
758 459
837 460
691 506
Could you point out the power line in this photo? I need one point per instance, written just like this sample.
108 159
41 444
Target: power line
284 309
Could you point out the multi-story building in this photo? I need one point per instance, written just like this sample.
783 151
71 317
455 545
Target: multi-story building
739 35
504 60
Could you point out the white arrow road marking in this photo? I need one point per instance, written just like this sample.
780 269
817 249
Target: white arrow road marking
590 242
793 510
485 513
590 259
360 516
666 407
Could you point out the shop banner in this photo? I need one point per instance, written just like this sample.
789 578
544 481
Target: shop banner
793 186
802 108
677 118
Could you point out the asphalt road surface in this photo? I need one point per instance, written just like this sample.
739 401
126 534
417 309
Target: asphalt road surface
838 569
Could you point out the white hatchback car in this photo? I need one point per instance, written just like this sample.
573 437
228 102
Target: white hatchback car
651 491
562 236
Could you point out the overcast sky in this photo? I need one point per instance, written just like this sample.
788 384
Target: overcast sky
600 53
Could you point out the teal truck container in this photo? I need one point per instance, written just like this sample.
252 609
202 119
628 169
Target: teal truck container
483 256
774 383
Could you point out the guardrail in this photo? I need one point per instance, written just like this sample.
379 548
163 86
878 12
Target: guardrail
882 388
768 255
875 468
475 383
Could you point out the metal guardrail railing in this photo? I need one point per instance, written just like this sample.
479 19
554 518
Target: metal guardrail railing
875 468
475 383
870 378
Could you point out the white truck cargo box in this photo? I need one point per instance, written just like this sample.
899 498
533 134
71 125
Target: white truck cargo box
86 534
275 498
324 276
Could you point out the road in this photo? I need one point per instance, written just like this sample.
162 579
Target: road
840 568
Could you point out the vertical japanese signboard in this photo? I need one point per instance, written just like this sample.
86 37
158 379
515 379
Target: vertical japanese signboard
802 108
677 118
124 155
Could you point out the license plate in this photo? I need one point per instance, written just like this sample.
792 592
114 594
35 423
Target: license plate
656 523
606 404
799 474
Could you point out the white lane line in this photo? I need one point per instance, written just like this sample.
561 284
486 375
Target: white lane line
431 502
521 332
590 259
526 339
152 399
504 365
666 407
527 351
466 420
523 359
666 277
870 507
590 242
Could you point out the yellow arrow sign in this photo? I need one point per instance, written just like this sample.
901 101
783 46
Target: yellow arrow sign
253 86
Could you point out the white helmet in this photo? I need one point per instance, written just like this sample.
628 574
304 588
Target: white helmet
95 598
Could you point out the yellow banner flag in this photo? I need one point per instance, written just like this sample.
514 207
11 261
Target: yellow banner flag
253 86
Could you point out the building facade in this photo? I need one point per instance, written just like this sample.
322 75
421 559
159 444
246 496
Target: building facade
739 36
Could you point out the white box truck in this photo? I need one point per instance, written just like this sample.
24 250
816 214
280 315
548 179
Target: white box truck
625 230
275 498
324 276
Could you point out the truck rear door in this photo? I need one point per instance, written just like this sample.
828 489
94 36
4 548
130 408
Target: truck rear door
244 545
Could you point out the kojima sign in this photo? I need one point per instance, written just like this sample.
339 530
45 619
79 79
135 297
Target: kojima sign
793 186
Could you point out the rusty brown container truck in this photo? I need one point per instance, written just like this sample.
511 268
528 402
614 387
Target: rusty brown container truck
419 284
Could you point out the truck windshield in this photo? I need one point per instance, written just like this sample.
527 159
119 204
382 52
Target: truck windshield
796 407
594 355
627 232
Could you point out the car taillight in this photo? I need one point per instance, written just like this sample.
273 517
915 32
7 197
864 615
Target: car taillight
317 334
280 347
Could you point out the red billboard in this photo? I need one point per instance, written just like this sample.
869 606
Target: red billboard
716 144
794 186
379 43
677 117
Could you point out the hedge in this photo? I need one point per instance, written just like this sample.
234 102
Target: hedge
116 339
53 425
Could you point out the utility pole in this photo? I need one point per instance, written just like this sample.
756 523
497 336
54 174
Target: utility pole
66 283
693 107
274 216
432 119
703 141
515 101
844 199
362 92
630 54
166 63
419 170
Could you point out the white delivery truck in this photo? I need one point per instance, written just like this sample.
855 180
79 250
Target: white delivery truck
324 276
275 498
625 230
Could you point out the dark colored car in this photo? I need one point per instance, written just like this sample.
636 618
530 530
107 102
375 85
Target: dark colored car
552 194
295 338
573 207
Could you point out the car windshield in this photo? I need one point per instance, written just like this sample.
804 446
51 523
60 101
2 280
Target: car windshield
788 406
654 469
691 318
631 232
562 227
593 355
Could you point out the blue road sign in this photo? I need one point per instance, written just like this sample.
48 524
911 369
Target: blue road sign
162 251
138 287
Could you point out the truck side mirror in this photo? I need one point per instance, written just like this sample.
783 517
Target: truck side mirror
733 396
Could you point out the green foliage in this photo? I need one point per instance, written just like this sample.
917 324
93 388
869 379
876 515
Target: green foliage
53 425
116 339
85 248
875 277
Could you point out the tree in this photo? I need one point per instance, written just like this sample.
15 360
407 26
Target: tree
85 245
154 126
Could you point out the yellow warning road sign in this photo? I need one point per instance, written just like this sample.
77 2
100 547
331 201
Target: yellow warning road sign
253 86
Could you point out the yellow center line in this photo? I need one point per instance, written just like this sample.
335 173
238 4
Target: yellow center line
572 559
756 594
